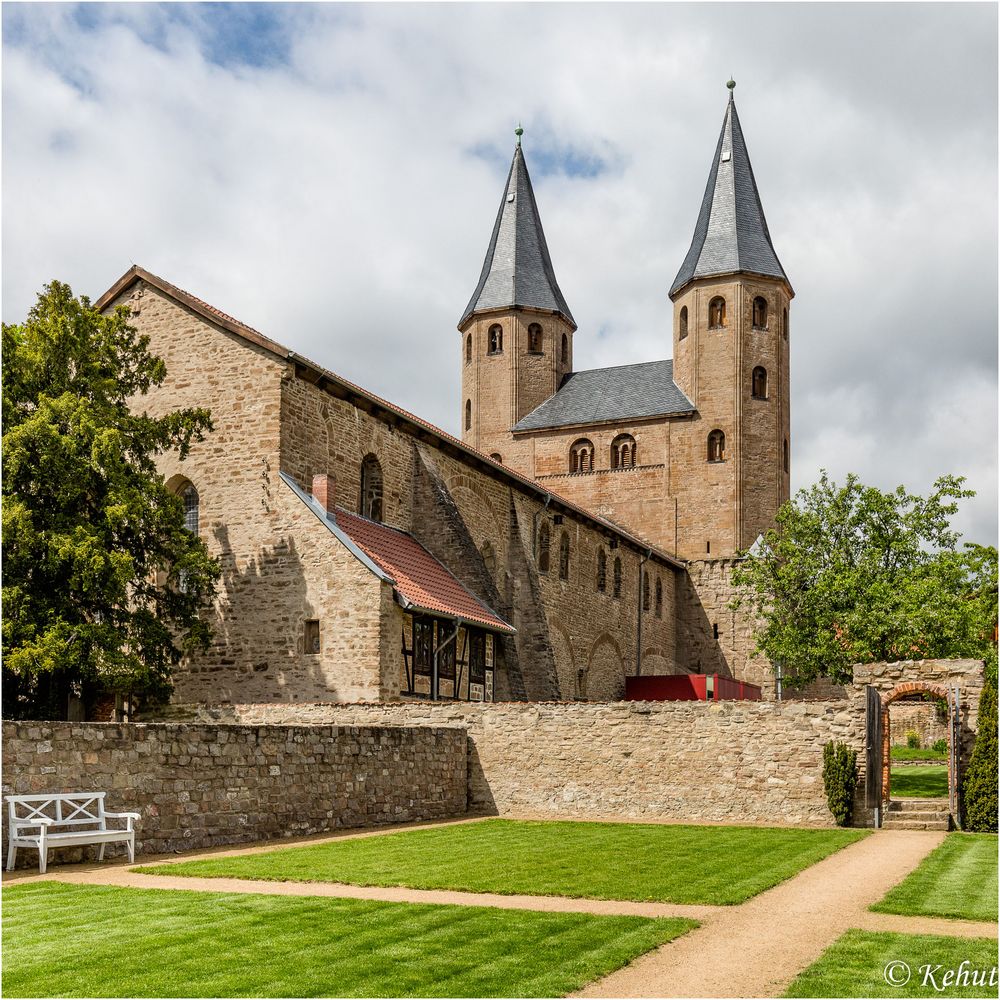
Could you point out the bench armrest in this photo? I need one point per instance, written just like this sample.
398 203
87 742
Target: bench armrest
131 817
16 824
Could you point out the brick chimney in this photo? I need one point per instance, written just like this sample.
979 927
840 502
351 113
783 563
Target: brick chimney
324 490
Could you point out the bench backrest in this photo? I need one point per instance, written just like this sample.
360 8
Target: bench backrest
83 809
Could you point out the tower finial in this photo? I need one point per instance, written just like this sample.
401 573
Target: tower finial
519 132
731 84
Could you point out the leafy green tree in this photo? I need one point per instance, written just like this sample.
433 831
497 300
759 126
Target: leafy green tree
854 575
103 586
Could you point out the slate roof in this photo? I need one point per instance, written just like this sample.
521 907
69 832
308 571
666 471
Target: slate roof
417 576
731 232
605 395
517 270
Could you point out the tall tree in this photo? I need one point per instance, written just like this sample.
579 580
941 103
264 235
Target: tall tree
102 585
853 575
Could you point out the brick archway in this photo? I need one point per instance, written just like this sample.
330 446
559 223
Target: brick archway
908 687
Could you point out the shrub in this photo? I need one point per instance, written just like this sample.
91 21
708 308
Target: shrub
913 740
840 777
980 785
940 746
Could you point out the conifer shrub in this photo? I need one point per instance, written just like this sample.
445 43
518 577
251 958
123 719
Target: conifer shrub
840 778
980 786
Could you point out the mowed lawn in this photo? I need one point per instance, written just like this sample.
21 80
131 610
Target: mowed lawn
857 964
920 781
674 864
65 940
958 879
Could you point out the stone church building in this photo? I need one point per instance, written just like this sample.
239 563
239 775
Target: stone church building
581 531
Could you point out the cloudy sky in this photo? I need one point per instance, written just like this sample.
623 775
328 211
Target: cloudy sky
330 175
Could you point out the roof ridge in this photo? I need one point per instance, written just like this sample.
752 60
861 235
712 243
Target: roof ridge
635 364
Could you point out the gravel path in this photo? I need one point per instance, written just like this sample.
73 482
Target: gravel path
756 949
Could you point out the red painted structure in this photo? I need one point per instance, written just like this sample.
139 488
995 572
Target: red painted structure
689 687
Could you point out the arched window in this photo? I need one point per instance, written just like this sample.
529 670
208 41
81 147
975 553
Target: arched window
496 339
784 454
565 350
617 578
497 457
683 322
370 503
564 557
543 548
659 598
784 324
623 452
758 383
717 313
716 446
760 313
581 456
602 571
489 559
535 338
189 495
468 414
468 348
645 591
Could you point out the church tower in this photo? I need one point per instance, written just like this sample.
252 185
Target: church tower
730 336
517 330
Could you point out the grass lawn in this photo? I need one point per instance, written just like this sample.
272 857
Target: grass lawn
674 864
958 879
929 782
911 753
65 940
855 966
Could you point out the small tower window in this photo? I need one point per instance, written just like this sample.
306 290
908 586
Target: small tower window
784 454
760 313
497 457
759 383
468 348
496 339
543 548
716 446
602 571
535 339
645 591
617 578
581 456
565 349
191 505
683 322
468 414
659 598
717 313
311 643
623 452
370 504
564 557
784 324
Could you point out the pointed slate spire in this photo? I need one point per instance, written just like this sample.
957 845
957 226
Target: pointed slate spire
731 233
517 270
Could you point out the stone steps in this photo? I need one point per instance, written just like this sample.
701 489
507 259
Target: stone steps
917 814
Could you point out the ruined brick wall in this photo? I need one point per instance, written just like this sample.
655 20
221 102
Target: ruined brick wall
741 762
200 786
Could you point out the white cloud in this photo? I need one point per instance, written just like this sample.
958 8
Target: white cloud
327 188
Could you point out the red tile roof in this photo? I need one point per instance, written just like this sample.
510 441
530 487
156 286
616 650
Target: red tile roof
419 577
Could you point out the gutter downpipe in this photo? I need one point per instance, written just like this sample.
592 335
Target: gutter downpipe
435 679
638 639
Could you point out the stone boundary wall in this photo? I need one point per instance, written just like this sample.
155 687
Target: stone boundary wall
738 762
199 785
918 717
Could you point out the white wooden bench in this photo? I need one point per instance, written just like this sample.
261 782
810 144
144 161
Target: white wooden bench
46 821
